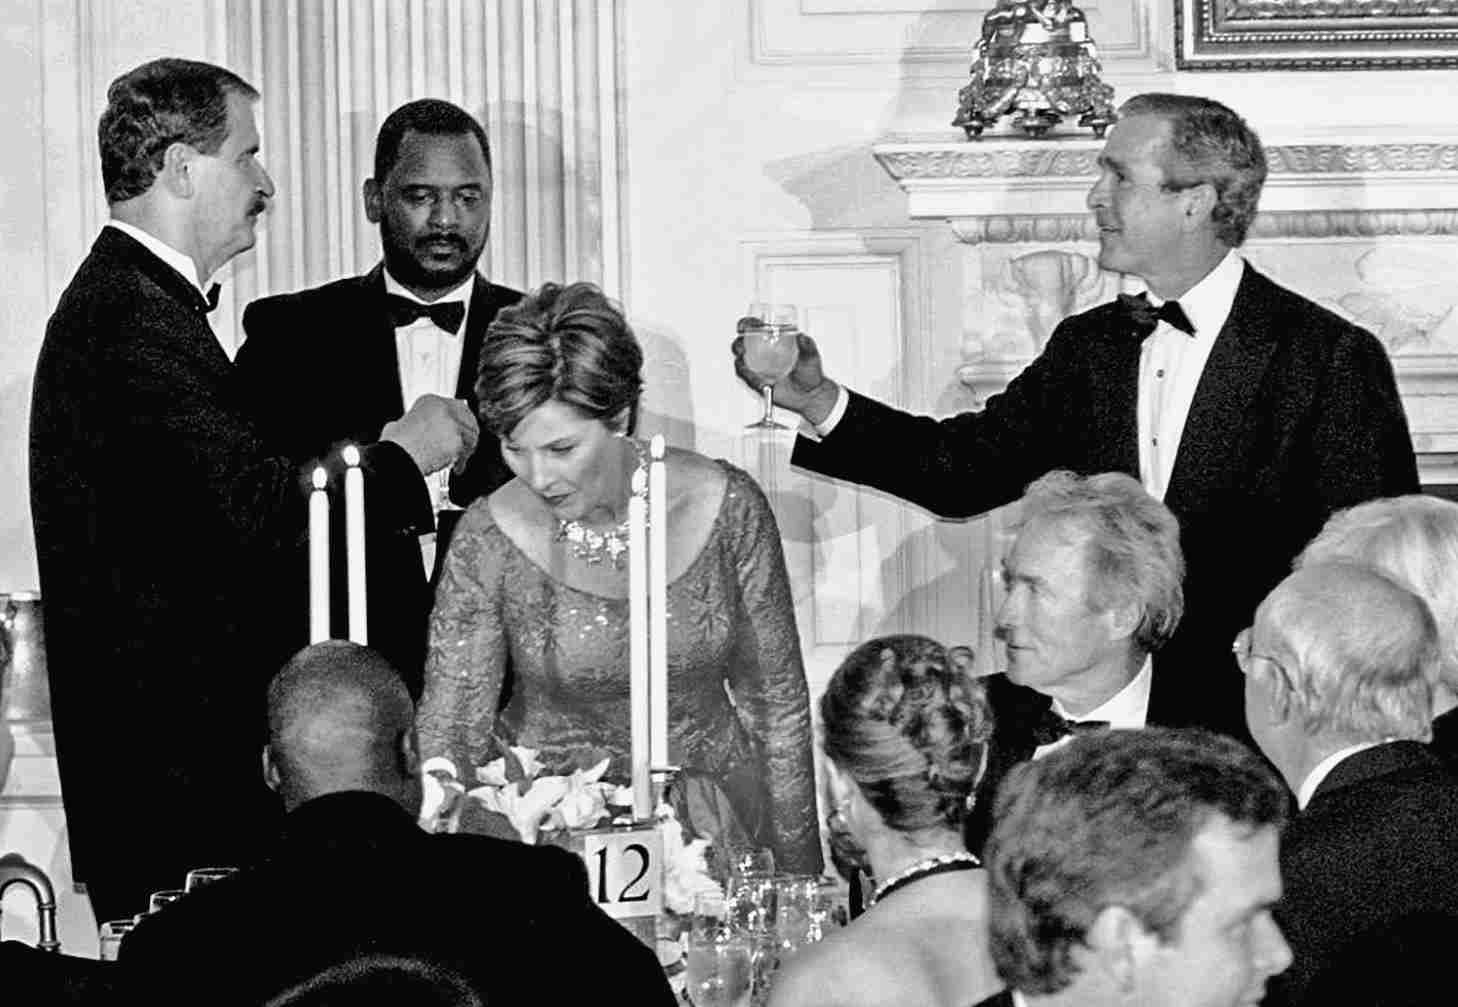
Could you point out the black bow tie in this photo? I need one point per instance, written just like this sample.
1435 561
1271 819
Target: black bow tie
1145 315
209 301
446 314
1049 727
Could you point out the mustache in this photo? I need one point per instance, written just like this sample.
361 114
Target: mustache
455 240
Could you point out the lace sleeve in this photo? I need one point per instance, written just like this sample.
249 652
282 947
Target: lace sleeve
768 677
466 658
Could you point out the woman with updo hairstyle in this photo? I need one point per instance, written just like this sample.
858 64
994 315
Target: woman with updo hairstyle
529 634
904 729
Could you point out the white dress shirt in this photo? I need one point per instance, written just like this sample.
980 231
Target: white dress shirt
1126 709
179 261
1322 770
429 356
1170 365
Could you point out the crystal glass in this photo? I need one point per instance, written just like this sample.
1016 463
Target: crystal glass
770 352
110 936
157 900
717 967
199 876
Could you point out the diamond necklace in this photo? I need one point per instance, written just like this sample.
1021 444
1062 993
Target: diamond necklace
593 546
959 860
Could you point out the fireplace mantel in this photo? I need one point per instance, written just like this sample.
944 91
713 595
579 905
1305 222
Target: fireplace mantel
1369 229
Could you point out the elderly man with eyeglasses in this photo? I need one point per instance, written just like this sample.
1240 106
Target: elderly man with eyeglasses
1339 666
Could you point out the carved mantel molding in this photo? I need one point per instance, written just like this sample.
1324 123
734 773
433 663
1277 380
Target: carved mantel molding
1365 228
1016 191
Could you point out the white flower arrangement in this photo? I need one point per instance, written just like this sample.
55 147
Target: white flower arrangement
509 787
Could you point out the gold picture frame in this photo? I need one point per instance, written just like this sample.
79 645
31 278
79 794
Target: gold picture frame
1315 34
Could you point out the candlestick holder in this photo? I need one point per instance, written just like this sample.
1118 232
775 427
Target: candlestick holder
1035 61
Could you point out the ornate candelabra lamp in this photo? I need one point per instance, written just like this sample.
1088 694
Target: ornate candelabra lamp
1036 62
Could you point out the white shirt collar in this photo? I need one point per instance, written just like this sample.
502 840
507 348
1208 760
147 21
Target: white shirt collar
1322 770
177 260
462 293
1127 708
1207 304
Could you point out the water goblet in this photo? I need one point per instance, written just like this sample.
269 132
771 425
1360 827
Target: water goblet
771 349
717 967
199 876
110 936
157 900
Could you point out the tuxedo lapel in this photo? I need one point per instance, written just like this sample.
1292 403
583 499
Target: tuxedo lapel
379 360
483 310
1114 376
1211 448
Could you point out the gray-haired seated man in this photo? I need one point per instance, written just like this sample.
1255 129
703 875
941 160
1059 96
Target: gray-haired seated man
353 873
1340 666
1137 867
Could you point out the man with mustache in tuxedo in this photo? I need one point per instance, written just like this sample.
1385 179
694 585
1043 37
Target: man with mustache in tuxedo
167 526
335 363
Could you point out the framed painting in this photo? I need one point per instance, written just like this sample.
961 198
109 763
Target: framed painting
1315 34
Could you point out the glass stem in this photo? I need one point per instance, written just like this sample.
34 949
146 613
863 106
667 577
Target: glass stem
769 403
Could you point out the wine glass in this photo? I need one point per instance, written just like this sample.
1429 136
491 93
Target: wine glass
110 936
770 352
157 900
717 967
199 876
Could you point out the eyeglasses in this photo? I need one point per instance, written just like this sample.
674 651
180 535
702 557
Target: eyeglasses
1244 655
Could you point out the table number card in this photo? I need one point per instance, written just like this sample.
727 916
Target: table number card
625 871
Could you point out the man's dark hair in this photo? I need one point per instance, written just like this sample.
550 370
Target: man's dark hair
430 116
158 104
1109 820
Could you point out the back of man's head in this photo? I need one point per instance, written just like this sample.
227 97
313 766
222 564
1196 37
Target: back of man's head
1359 652
1110 820
340 718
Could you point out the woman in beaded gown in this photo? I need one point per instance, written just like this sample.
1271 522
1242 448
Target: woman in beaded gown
905 737
529 634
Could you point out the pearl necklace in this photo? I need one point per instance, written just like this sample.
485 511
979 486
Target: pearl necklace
959 860
592 546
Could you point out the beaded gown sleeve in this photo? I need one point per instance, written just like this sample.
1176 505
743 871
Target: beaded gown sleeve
515 651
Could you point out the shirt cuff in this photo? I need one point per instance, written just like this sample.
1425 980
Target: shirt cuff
837 411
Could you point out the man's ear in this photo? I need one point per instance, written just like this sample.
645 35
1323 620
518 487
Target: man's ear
176 174
1118 945
1200 203
409 751
271 775
374 200
1124 619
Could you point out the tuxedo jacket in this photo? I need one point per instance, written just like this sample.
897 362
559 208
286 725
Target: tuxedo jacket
1369 869
353 873
1296 415
319 368
1016 710
168 535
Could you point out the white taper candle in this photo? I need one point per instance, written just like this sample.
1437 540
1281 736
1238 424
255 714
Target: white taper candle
319 558
354 546
638 689
658 603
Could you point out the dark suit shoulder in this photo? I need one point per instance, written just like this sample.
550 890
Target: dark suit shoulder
276 309
1006 697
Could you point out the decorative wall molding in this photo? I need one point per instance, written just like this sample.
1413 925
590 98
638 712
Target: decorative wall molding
907 159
